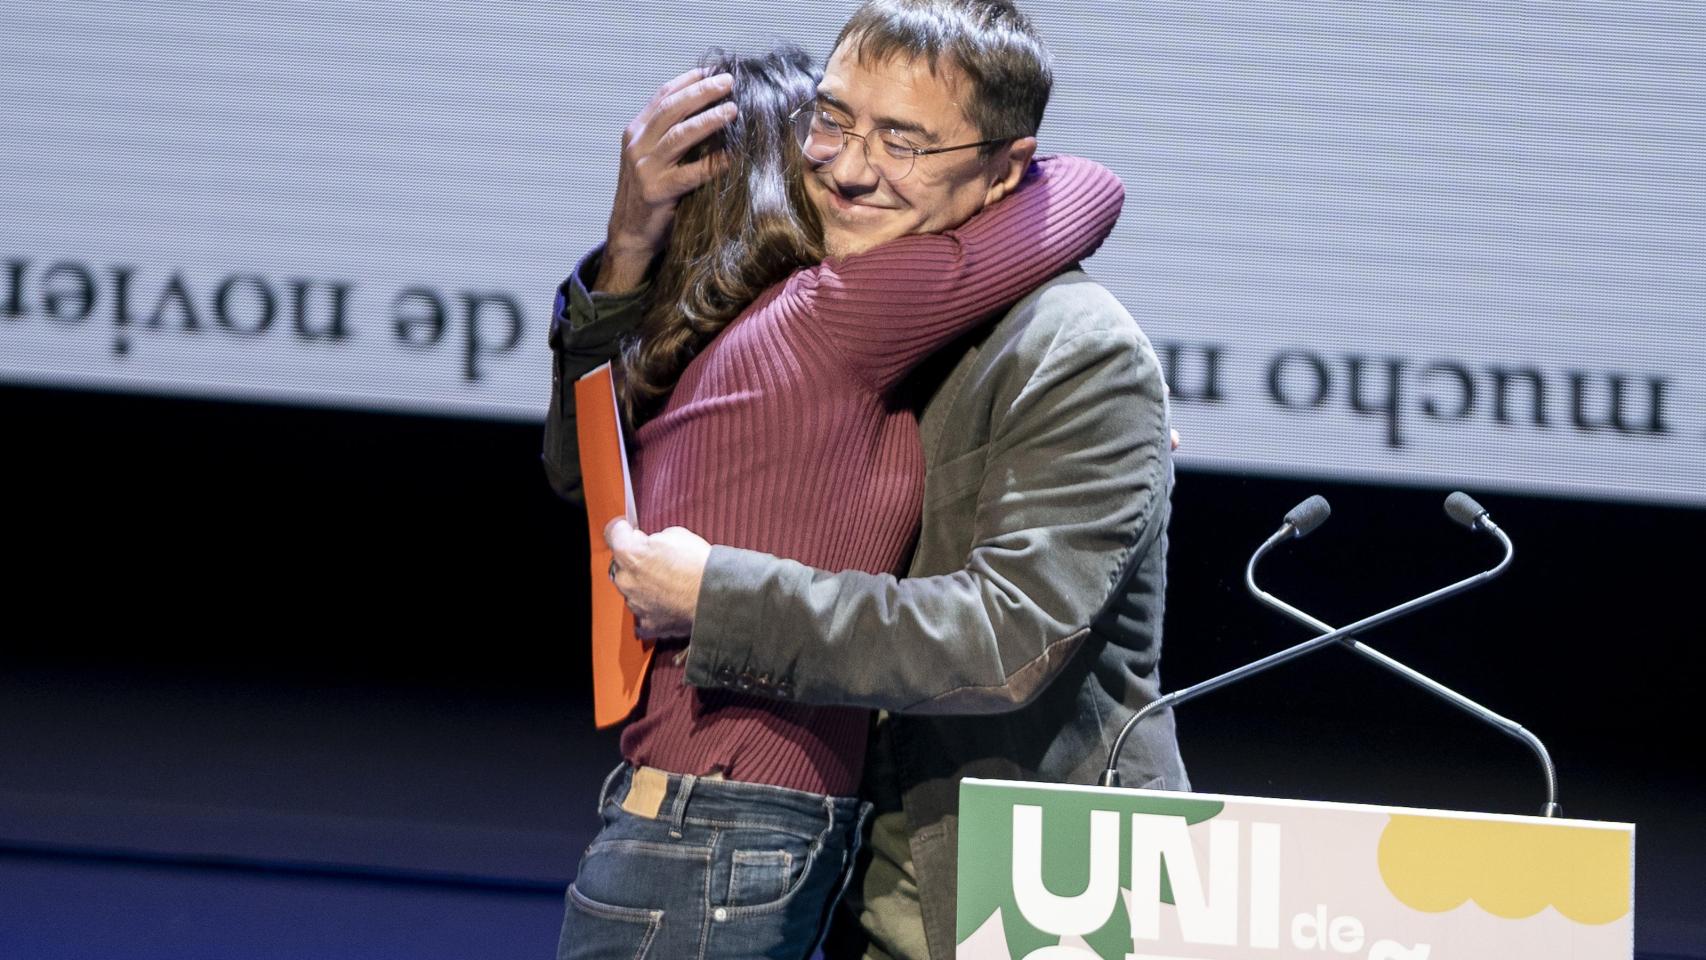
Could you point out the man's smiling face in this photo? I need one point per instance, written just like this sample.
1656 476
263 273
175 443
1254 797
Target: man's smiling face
860 208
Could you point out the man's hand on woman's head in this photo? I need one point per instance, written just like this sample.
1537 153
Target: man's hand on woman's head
653 176
658 575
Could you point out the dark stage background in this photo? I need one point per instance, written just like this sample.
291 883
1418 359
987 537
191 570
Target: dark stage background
284 682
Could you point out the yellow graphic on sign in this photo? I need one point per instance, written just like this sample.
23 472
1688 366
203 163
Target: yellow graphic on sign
1513 870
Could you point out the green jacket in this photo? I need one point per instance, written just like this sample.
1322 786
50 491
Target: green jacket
1028 627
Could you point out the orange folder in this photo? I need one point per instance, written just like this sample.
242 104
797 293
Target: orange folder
619 657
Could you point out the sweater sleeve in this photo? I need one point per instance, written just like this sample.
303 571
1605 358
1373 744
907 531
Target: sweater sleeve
888 309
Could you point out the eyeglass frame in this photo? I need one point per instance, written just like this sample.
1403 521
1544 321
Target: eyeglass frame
865 138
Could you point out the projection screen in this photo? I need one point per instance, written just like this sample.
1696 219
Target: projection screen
1440 243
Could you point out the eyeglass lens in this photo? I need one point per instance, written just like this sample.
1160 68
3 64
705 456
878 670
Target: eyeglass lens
822 138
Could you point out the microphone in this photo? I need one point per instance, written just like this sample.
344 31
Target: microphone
1306 516
1110 776
1462 508
1301 521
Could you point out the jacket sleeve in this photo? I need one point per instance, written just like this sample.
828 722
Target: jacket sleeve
1073 494
586 329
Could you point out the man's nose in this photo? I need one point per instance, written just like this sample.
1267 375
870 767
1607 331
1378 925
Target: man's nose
852 170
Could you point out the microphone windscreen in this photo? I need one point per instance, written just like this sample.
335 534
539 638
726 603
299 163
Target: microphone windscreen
1462 507
1308 515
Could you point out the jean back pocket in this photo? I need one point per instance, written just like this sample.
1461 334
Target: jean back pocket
759 876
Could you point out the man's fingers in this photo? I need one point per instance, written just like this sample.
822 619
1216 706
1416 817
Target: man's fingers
673 86
693 98
645 626
611 527
621 536
689 176
693 106
681 81
681 138
674 103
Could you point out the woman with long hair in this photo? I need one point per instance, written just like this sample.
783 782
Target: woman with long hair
764 389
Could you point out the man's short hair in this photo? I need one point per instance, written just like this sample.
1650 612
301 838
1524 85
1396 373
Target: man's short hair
990 40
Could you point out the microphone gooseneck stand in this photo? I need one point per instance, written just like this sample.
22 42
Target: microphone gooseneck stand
1300 522
1472 516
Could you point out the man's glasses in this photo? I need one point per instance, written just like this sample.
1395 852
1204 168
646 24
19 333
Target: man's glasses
888 151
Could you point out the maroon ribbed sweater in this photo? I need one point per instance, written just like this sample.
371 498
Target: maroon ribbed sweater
784 436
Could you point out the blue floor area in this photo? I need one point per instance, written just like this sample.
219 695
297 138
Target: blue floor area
55 907
175 817
180 819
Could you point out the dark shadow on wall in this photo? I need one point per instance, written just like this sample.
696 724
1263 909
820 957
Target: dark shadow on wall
353 643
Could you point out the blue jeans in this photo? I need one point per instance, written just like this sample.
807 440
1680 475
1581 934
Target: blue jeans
687 868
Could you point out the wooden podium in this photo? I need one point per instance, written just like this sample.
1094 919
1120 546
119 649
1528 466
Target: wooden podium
1055 872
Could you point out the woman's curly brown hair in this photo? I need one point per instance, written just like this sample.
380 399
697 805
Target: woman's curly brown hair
735 236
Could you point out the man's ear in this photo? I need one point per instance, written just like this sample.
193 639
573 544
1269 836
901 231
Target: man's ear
1008 168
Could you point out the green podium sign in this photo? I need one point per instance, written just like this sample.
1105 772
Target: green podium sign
1055 872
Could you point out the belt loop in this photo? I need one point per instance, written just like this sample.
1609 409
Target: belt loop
609 778
678 813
